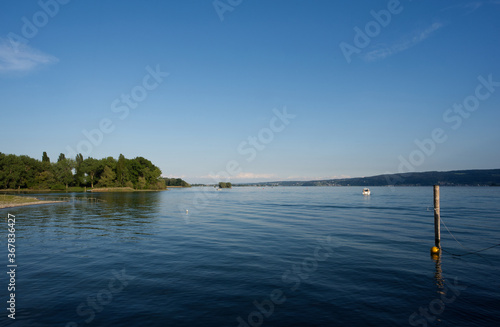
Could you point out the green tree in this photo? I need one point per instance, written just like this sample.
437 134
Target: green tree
45 157
121 171
29 170
92 168
79 173
108 177
133 169
143 174
62 157
110 162
64 170
45 180
150 172
225 185
175 182
3 172
13 167
18 171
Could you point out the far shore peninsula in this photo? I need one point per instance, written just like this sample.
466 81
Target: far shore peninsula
12 201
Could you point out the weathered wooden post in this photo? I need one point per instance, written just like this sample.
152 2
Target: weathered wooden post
437 218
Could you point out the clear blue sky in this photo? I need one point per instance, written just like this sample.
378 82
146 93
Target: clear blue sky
359 100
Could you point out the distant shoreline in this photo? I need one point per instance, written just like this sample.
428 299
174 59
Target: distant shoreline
471 177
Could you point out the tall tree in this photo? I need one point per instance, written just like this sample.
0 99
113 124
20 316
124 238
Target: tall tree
45 157
121 170
79 173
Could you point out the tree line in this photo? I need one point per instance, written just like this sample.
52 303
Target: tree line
17 172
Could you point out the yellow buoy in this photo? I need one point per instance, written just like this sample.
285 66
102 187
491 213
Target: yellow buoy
435 250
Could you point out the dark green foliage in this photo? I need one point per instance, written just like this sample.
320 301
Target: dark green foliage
64 171
18 172
91 168
45 157
108 177
58 187
225 185
79 173
121 171
176 182
44 180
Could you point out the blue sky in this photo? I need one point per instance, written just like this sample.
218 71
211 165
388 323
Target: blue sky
372 86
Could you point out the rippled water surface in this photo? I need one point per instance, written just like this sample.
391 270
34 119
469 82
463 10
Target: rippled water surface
320 256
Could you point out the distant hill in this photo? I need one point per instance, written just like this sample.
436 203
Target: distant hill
479 177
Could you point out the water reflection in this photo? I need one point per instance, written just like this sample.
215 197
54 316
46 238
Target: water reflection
113 215
438 275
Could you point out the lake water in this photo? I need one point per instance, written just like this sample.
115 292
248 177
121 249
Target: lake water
284 256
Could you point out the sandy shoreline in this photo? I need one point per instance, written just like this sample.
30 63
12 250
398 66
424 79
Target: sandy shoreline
13 205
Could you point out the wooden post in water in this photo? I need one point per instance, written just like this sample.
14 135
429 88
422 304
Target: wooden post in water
437 218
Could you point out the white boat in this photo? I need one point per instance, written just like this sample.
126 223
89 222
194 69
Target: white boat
366 191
